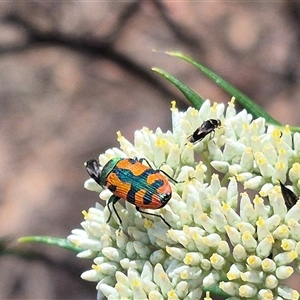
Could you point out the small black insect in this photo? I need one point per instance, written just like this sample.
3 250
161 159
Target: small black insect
206 128
289 197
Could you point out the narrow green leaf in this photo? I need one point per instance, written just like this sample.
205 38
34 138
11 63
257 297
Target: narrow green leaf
53 241
295 129
241 98
191 95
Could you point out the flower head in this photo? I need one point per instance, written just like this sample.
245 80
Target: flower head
246 245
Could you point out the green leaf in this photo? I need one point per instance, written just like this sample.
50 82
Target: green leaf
191 95
241 98
53 241
295 129
215 290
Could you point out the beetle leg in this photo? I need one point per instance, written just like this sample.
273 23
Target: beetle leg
113 199
159 170
151 214
171 178
144 159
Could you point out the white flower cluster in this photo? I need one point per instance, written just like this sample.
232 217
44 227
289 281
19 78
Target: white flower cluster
244 246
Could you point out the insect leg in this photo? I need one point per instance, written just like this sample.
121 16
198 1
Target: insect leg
113 199
159 170
171 178
144 159
151 214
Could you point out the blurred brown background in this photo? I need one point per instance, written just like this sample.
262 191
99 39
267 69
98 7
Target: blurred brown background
74 73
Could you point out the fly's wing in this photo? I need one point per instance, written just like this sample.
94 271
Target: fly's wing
289 197
94 169
197 136
201 132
